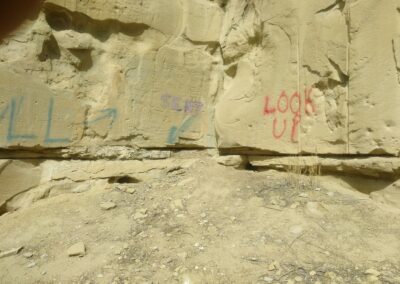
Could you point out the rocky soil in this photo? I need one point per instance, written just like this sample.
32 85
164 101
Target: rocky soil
203 223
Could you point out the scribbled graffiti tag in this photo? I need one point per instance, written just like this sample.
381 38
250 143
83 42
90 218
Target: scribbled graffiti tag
175 103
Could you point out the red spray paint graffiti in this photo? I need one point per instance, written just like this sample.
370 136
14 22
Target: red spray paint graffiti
296 104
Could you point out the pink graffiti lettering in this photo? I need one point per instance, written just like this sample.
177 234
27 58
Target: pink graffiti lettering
285 105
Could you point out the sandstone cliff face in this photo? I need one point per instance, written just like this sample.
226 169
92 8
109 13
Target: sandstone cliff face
288 77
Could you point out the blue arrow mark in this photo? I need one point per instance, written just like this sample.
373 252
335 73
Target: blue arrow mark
108 113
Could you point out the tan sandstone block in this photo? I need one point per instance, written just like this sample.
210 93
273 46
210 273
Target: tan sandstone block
276 100
374 101
163 15
31 115
204 21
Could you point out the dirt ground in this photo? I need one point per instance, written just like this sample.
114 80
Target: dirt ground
206 224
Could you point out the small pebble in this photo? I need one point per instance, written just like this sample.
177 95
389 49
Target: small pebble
28 255
108 205
268 279
131 190
77 249
373 272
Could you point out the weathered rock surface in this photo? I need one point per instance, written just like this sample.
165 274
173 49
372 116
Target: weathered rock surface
16 177
273 76
235 161
25 182
375 167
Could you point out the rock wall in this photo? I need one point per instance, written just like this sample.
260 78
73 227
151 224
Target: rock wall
318 76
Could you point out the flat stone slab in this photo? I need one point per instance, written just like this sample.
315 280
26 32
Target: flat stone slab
77 249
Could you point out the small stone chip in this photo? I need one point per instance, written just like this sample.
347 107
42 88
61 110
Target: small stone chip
298 279
131 190
373 272
268 279
77 249
28 255
108 205
32 264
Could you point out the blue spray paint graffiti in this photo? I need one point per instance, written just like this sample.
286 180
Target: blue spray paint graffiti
108 113
15 110
47 138
175 132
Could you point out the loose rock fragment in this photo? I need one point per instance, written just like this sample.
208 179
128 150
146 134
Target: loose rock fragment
32 264
108 205
298 279
131 190
235 161
140 214
372 272
28 255
10 252
77 249
268 279
178 204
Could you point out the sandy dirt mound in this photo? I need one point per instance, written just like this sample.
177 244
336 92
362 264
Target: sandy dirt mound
204 224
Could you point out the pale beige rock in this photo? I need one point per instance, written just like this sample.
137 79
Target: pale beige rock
291 53
235 161
204 21
88 170
50 188
77 249
164 15
108 205
31 115
373 104
288 77
11 181
372 271
131 190
10 252
376 167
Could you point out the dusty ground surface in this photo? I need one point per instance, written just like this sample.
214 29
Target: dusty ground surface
206 224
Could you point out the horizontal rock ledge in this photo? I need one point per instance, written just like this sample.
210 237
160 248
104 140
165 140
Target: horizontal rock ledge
375 167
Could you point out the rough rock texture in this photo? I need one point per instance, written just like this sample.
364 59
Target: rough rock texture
25 182
11 182
274 76
375 167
